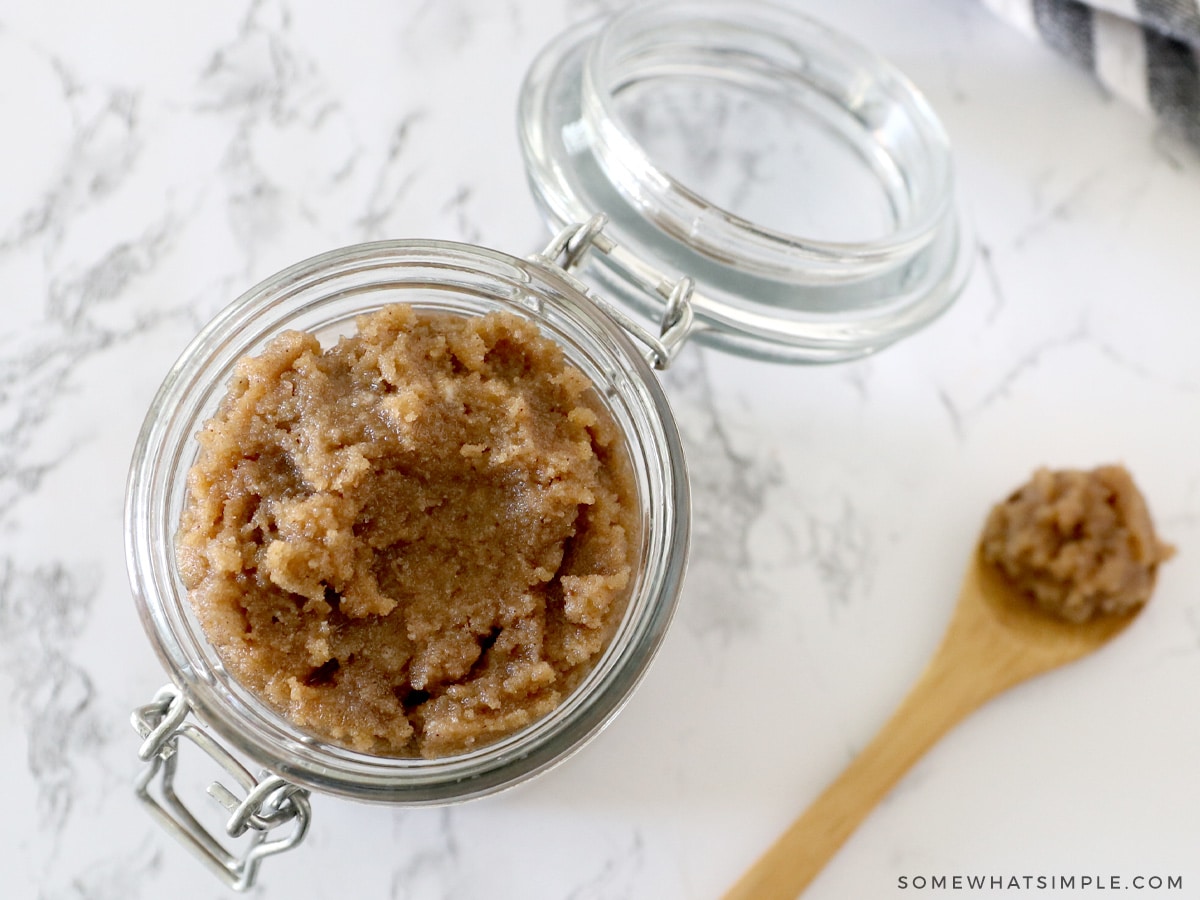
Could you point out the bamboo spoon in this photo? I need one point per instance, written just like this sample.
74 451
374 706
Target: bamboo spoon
996 639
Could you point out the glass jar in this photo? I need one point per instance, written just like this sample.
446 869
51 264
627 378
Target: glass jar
675 265
322 296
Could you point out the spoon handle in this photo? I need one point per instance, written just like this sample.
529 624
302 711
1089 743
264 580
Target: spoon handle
953 685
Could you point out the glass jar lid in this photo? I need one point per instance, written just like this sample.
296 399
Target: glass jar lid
801 182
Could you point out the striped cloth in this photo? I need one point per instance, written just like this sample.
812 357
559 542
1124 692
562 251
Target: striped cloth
1144 51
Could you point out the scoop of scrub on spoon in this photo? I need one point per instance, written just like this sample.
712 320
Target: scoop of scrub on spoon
1063 566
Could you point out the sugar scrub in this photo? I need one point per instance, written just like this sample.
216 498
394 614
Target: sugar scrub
415 541
1079 544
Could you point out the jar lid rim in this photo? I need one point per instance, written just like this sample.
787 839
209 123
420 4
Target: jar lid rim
759 290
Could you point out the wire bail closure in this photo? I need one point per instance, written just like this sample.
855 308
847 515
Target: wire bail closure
567 251
269 801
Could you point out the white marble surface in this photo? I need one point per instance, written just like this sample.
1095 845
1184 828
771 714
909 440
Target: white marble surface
157 159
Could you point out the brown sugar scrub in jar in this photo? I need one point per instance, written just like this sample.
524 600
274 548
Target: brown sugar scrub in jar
1080 544
415 541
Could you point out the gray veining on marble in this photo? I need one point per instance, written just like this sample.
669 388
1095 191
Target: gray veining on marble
158 162
729 484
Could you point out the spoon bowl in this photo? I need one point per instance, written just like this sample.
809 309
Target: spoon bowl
996 639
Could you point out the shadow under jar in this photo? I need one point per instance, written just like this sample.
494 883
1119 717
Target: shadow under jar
836 234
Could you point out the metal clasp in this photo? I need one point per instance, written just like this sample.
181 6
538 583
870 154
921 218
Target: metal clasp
267 802
567 250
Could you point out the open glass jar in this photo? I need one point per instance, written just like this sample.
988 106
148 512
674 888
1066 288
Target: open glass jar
731 266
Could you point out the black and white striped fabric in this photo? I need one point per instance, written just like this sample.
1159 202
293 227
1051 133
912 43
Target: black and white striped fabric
1145 51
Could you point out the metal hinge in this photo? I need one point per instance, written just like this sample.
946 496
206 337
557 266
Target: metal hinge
567 251
268 801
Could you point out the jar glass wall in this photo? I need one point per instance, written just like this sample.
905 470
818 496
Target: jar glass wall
322 296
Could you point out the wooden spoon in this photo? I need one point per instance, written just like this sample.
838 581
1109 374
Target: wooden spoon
997 638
